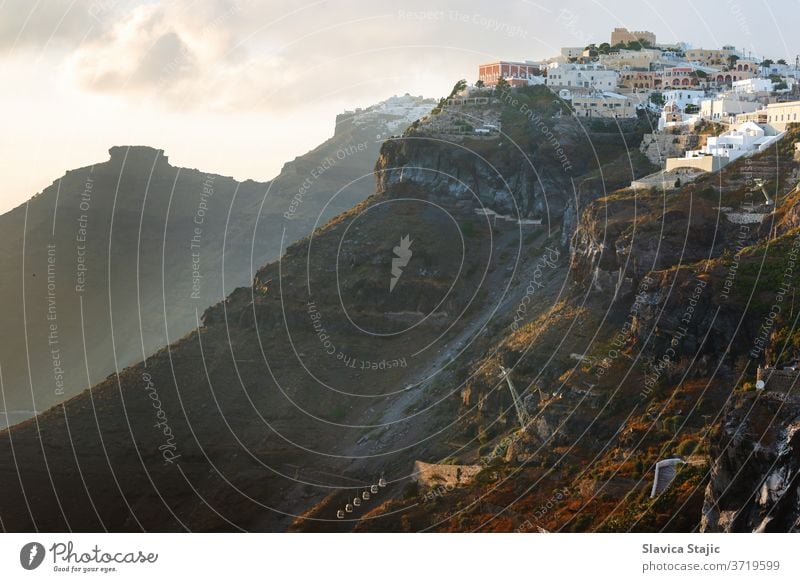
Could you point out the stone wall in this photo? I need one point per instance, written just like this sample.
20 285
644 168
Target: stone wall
432 475
706 163
660 146
785 380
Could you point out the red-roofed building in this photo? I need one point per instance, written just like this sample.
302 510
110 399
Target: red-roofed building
515 73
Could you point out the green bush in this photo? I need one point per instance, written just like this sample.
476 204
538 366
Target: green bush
411 490
580 523
687 447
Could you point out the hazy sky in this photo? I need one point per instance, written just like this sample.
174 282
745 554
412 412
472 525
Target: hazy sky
239 87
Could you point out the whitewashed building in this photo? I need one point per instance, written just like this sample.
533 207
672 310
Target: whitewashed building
673 115
590 76
571 52
780 115
604 105
684 97
725 108
749 138
746 139
749 86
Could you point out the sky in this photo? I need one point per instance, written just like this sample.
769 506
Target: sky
239 87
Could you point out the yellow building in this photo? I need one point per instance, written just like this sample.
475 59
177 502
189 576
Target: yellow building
745 65
603 105
626 59
780 115
710 57
623 35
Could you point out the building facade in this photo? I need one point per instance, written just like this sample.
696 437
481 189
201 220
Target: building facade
623 35
571 52
725 109
681 77
516 73
749 138
591 76
780 115
640 79
709 57
730 77
606 105
684 97
750 86
626 59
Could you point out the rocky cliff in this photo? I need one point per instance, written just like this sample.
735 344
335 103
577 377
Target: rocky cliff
755 479
116 260
502 302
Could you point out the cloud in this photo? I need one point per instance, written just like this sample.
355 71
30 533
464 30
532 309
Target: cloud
234 55
26 25
143 51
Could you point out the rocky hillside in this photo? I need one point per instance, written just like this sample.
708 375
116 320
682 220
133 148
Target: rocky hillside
651 354
116 260
503 305
754 480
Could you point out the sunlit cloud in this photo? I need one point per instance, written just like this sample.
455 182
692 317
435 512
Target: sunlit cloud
137 67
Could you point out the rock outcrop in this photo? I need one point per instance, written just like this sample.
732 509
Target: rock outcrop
755 480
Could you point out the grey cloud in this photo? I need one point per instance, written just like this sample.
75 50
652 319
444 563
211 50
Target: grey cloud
31 25
279 54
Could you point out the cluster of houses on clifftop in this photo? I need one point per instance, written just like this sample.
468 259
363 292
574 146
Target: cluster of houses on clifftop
753 98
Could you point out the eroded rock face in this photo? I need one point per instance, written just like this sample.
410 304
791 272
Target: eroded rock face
628 235
755 480
659 147
501 180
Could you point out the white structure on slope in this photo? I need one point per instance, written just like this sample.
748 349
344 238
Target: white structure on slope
749 138
591 76
746 139
666 471
522 414
684 97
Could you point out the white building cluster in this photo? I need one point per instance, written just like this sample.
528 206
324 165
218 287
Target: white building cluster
753 97
389 116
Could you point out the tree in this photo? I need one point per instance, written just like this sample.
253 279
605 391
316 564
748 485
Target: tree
766 64
657 98
782 61
458 87
604 48
480 84
732 61
502 85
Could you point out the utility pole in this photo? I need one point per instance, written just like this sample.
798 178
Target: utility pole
759 183
522 414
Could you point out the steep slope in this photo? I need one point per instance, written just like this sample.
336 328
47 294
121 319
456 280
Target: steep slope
754 480
346 360
652 355
116 260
